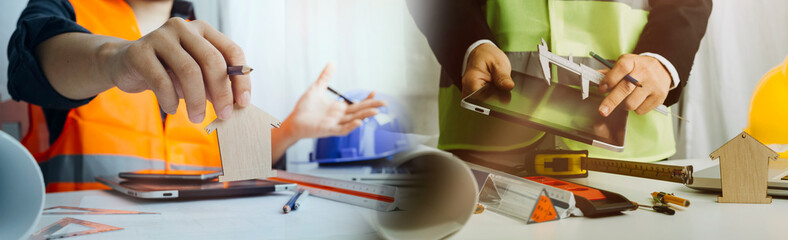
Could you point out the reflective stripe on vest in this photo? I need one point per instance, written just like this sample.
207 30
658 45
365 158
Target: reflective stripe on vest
609 28
81 169
119 131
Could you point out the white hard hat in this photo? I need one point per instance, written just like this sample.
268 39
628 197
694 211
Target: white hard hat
21 190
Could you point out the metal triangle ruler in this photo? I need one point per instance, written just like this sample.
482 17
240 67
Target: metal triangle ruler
91 211
48 232
373 196
543 210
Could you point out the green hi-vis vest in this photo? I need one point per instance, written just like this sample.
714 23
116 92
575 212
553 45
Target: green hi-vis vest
570 27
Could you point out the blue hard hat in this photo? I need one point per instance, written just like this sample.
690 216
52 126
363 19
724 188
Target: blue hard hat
378 137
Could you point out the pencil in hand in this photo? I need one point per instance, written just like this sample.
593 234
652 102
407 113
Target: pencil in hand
610 65
340 95
239 70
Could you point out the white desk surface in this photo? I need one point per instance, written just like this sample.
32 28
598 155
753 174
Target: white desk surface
704 219
256 217
260 217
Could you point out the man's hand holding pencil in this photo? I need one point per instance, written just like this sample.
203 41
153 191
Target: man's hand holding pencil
181 60
648 72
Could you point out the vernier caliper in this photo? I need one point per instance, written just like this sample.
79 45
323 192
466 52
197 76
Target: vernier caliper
586 73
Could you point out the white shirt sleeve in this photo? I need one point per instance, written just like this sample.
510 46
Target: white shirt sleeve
674 75
470 49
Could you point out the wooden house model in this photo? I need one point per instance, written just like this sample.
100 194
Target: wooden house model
245 143
744 168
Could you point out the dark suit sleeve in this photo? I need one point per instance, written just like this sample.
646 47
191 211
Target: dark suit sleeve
674 30
41 20
451 26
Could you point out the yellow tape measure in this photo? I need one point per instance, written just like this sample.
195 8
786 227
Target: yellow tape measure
564 163
677 174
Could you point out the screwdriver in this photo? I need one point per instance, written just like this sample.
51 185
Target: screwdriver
669 198
660 209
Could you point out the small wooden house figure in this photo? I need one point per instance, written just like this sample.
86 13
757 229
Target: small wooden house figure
744 168
245 143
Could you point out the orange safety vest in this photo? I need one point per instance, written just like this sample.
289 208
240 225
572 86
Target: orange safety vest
119 131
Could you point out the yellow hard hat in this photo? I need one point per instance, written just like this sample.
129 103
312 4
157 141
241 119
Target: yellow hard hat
768 118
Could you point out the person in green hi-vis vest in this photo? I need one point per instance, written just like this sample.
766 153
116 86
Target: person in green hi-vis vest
478 42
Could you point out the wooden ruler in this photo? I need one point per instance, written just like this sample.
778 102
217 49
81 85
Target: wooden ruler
377 197
677 174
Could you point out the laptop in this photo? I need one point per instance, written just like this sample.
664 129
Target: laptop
403 170
163 189
384 175
709 178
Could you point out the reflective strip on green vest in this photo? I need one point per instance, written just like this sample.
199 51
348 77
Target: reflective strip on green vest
571 27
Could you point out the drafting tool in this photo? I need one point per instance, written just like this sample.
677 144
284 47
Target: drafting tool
516 197
591 201
610 65
90 211
377 197
666 198
340 95
586 73
239 70
48 232
565 163
523 200
543 210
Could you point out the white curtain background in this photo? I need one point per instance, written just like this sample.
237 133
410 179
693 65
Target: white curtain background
9 13
743 41
377 47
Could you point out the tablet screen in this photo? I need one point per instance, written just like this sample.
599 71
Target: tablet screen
557 108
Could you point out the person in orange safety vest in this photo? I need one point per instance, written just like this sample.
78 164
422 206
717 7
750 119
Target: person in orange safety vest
130 85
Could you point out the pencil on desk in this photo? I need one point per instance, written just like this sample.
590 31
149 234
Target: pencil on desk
295 201
239 70
610 65
289 206
300 198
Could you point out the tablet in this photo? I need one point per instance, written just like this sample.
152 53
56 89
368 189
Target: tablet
557 108
154 174
162 189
